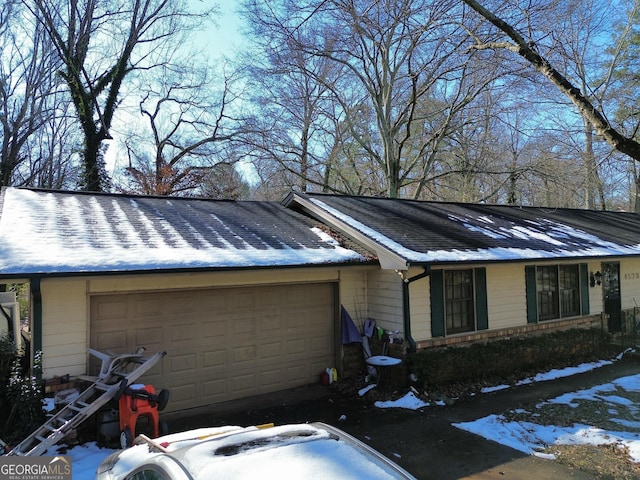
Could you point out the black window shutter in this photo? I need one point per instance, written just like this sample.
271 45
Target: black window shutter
437 303
482 313
532 302
584 288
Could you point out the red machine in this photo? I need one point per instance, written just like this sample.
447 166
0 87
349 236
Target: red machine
140 401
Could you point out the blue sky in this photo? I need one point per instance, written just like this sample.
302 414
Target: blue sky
226 36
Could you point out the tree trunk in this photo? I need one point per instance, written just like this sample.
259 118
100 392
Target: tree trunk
91 180
589 163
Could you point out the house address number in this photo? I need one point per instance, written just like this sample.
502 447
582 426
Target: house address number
632 276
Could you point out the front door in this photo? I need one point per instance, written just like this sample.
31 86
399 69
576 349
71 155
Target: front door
611 291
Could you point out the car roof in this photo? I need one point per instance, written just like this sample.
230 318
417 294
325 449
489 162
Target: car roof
307 451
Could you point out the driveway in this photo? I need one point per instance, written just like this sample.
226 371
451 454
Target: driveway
424 442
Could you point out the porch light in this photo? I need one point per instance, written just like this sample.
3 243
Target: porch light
595 279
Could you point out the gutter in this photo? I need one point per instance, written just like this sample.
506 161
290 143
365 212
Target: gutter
36 316
406 304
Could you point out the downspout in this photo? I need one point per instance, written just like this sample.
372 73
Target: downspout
406 304
36 317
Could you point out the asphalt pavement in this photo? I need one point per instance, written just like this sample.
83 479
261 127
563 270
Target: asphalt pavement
424 442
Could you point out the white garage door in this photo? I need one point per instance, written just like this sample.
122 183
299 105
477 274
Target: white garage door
222 343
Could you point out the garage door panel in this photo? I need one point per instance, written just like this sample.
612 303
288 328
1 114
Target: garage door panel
181 363
183 333
148 307
297 321
242 300
270 351
222 343
270 323
320 345
246 326
115 341
209 329
182 395
244 356
296 348
182 304
271 380
214 358
115 308
297 374
214 390
243 385
149 338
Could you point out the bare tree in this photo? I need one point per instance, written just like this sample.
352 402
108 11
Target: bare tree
517 42
99 44
186 132
624 91
292 124
26 82
399 81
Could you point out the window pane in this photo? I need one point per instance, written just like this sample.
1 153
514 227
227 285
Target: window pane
459 305
569 290
547 290
149 474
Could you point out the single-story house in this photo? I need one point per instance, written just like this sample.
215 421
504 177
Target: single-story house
456 272
245 296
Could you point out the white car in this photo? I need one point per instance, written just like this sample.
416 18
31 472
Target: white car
305 451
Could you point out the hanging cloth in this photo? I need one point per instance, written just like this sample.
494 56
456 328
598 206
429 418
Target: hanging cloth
350 333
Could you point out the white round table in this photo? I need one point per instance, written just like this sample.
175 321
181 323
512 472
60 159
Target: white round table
382 361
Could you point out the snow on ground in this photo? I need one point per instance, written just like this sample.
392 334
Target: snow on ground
523 436
531 438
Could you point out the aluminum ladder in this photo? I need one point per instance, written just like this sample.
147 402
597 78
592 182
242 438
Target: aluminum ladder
117 372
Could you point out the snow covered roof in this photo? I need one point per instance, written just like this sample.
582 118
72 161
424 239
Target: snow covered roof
404 232
43 232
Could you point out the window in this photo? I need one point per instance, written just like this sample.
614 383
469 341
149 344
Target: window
458 293
569 287
547 289
149 474
556 291
458 301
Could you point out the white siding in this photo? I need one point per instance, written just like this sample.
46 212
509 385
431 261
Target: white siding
420 308
596 299
385 299
629 283
64 326
353 294
506 296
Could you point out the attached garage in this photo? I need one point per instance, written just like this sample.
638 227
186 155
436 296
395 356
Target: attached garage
223 343
242 295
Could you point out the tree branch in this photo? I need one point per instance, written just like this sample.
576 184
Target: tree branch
527 51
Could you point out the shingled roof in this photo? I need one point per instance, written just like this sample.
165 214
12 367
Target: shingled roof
405 232
44 232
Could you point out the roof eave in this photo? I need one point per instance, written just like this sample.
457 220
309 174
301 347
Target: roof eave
24 276
389 260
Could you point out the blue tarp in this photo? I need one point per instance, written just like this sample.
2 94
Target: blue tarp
350 333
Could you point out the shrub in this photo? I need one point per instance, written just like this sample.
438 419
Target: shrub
506 360
22 396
